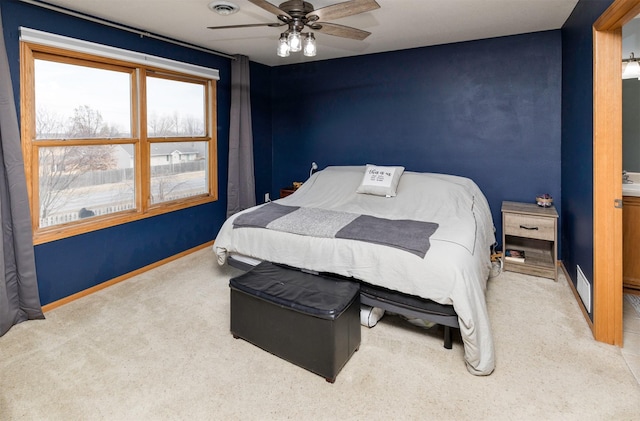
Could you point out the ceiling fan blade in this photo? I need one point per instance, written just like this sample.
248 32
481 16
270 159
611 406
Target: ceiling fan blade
342 31
347 8
249 25
269 7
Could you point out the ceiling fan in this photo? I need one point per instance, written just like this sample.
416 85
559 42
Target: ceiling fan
298 14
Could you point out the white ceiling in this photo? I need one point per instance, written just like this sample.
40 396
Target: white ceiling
397 25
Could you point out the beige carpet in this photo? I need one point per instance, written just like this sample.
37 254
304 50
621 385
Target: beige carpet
158 347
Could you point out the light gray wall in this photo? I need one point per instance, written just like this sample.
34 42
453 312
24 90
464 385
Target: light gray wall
631 125
631 101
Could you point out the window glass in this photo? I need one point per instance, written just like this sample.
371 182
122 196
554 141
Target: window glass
175 108
178 170
89 162
80 102
77 182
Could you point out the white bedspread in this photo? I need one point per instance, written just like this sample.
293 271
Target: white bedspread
454 271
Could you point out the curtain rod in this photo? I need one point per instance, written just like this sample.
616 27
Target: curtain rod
123 27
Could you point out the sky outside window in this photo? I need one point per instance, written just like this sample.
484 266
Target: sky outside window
175 108
64 89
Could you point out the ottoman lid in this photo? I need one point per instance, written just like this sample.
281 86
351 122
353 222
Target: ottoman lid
318 295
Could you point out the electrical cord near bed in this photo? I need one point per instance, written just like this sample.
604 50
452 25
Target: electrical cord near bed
496 261
496 267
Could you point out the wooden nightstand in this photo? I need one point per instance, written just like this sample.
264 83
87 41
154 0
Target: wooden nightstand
286 192
533 229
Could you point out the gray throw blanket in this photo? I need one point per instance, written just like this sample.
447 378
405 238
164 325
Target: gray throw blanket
404 234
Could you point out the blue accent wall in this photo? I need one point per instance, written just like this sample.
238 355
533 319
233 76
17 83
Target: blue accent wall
70 265
488 110
577 138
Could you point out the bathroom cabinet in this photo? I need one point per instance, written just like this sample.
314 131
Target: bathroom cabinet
631 242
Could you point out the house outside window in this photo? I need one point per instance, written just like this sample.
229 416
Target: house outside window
107 141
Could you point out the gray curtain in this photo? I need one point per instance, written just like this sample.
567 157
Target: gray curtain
19 299
241 189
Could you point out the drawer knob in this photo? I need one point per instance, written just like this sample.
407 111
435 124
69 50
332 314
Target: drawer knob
528 228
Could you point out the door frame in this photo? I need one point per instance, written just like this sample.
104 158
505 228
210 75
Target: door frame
607 170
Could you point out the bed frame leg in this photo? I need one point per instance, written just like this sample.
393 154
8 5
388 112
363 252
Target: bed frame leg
447 337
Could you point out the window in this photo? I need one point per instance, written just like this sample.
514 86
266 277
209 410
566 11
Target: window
107 141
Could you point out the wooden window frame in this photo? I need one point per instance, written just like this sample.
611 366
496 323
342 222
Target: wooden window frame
142 145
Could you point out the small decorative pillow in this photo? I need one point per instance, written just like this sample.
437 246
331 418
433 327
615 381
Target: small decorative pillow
380 181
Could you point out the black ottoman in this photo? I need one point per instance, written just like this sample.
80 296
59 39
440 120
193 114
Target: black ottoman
312 321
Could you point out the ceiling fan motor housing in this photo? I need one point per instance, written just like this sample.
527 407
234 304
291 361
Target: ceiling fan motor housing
296 8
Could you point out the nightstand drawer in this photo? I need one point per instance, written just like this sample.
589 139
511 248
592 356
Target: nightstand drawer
529 226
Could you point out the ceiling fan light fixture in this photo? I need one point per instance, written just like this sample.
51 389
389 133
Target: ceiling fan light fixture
224 8
295 41
283 46
309 45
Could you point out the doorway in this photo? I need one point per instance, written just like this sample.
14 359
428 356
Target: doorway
607 169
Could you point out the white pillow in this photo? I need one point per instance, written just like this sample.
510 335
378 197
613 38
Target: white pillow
381 181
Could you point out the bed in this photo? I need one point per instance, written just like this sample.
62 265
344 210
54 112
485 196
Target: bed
453 270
